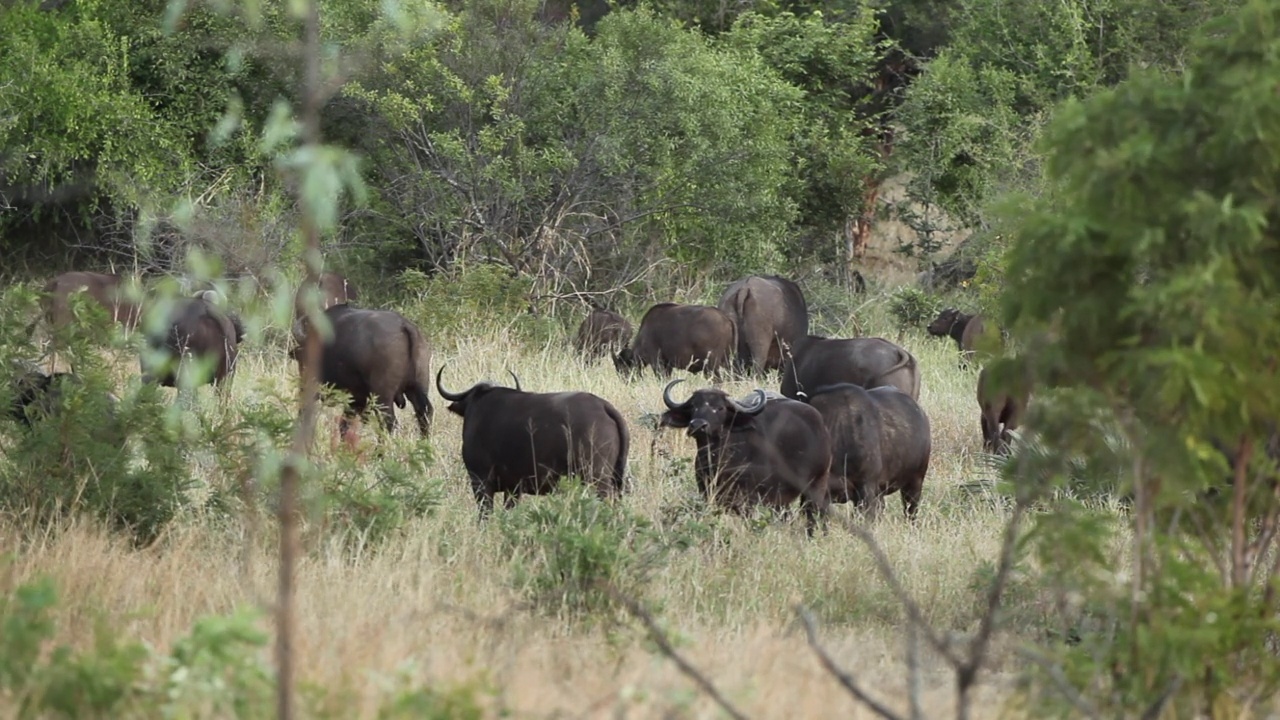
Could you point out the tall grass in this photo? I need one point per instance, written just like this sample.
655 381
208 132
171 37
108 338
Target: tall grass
437 604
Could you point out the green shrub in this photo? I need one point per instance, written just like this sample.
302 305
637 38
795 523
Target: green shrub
565 547
912 307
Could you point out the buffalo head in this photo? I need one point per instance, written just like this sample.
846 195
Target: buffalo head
941 325
625 361
458 402
709 412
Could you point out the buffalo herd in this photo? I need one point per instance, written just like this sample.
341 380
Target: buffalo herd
845 427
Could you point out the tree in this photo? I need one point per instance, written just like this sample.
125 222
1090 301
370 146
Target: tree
1143 288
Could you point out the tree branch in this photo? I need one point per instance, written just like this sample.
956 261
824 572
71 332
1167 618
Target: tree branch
806 619
664 644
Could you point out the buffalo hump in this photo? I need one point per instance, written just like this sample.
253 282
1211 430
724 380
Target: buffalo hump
868 362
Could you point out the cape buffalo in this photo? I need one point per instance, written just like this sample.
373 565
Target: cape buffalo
965 329
697 338
770 451
373 353
870 362
521 443
602 333
108 290
334 289
37 395
197 328
770 313
1001 409
880 445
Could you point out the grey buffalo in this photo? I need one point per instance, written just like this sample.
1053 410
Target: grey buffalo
880 445
522 443
868 362
196 329
602 333
770 451
373 355
771 315
696 338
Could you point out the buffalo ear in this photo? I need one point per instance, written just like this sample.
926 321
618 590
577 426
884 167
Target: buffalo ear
676 418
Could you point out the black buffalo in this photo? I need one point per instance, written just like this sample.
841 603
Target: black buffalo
37 395
696 338
1000 406
967 330
521 443
771 451
197 329
603 332
869 362
880 445
771 315
373 354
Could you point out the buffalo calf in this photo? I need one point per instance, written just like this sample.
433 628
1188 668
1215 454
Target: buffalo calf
603 332
771 451
521 443
880 441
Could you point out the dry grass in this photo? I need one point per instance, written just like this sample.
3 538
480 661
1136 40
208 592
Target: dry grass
436 602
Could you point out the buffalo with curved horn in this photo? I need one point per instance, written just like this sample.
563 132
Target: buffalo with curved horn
770 451
521 443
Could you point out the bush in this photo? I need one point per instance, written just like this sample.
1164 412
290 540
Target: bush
912 307
567 546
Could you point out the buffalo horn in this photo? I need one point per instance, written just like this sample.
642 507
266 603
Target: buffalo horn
451 397
513 377
754 408
666 393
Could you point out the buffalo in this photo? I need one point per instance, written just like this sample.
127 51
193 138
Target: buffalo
965 329
603 332
880 445
696 338
869 362
770 451
373 353
39 395
199 329
333 288
771 315
1001 409
108 290
521 443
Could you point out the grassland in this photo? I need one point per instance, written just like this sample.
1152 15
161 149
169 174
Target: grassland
436 604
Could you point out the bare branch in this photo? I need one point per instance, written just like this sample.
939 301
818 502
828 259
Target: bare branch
1078 701
810 631
664 644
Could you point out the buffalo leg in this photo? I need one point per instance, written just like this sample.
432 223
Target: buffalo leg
988 434
510 498
484 496
387 413
422 410
911 498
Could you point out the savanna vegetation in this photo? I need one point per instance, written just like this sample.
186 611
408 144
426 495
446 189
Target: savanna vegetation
1099 179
